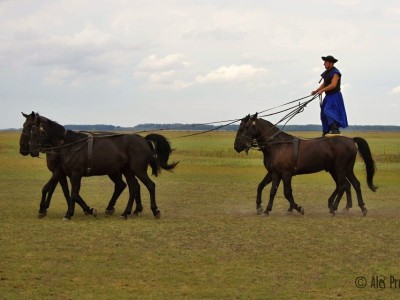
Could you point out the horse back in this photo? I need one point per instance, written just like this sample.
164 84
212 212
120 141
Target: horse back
325 153
311 156
109 154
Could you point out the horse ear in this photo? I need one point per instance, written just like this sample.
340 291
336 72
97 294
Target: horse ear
254 116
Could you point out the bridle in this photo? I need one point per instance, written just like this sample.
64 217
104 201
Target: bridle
257 143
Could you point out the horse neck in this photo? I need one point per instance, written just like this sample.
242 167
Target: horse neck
269 132
54 132
73 136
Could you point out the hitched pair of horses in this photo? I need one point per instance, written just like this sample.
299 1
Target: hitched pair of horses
78 154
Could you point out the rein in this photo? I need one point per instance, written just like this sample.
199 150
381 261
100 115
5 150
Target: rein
90 135
210 130
297 109
60 147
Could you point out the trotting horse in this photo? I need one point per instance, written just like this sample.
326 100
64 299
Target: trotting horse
268 179
103 155
58 175
286 156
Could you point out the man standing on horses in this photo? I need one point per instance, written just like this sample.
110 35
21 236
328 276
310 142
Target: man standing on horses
333 112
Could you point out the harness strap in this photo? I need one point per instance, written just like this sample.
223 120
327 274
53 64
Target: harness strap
296 154
90 154
274 135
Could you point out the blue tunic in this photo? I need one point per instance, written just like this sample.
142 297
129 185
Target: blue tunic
332 107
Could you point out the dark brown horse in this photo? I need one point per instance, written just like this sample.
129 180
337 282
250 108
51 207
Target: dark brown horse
129 154
286 156
53 160
268 179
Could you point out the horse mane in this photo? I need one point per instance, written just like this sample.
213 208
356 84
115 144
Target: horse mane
279 135
54 129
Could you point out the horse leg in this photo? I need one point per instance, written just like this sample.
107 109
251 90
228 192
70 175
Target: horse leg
134 194
274 187
267 179
75 188
119 186
86 209
64 185
287 190
151 187
335 192
348 197
132 183
332 198
139 207
47 193
342 185
356 184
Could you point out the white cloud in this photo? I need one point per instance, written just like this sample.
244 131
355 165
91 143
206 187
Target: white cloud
348 2
232 73
168 62
395 11
60 76
192 52
170 71
395 91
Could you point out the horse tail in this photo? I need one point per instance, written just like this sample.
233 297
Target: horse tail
365 152
161 149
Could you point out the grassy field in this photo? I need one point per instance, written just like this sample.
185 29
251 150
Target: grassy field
209 242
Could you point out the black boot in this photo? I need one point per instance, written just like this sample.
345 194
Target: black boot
334 129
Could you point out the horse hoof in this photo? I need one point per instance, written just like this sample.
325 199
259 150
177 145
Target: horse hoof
42 215
65 218
123 217
365 212
260 210
265 213
136 215
289 212
94 212
332 213
109 212
301 211
346 210
157 214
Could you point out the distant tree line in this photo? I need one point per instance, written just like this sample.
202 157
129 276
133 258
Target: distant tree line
233 127
200 127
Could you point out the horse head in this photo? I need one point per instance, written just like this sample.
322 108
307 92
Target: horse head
26 133
245 135
35 136
45 133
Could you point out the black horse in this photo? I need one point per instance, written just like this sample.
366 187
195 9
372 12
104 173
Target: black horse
53 164
129 154
286 156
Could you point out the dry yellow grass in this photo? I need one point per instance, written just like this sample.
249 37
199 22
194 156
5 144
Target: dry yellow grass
209 242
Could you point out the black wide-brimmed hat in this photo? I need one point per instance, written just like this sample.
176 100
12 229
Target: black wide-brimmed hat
329 58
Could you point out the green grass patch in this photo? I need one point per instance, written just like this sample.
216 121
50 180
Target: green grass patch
209 242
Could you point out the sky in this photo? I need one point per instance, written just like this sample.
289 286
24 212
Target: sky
126 62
